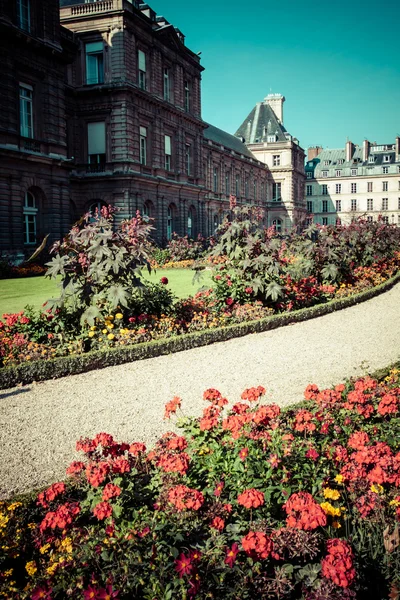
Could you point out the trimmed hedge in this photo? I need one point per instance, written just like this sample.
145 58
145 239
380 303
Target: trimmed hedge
72 365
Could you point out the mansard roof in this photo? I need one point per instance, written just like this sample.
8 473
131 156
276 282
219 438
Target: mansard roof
260 123
227 140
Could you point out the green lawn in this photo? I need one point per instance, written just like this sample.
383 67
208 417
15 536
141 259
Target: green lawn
17 293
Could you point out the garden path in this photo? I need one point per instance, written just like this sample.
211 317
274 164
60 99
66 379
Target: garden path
39 423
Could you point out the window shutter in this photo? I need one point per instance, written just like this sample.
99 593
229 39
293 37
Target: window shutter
97 138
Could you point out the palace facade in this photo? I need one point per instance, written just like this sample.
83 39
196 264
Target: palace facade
102 105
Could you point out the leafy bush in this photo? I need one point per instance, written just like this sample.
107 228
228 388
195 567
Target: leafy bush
99 267
250 501
302 270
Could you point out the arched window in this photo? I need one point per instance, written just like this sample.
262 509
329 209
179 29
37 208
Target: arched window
148 210
277 223
94 210
171 220
216 223
30 214
191 222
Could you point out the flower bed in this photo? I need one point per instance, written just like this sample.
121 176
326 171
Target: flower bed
105 303
249 501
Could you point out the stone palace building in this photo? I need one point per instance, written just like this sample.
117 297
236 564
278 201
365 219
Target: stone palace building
101 104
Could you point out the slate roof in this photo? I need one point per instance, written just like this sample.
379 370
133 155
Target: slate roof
336 155
260 122
227 140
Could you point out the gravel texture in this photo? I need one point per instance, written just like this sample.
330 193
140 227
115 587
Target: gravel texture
40 423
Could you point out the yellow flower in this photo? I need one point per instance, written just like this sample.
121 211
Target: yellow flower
336 524
331 494
378 489
110 326
31 568
44 549
92 334
339 478
93 328
3 520
110 318
66 545
8 573
32 525
111 336
394 503
14 505
52 568
119 316
330 510
100 339
104 331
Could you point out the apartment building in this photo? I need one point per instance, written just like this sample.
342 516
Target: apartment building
354 181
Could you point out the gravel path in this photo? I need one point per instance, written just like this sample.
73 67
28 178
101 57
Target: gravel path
40 423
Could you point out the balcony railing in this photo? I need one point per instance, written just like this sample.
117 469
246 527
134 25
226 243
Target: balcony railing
92 7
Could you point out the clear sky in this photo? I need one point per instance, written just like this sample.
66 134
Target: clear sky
337 63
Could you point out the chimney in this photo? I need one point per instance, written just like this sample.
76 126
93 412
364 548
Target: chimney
313 152
349 151
366 146
397 146
275 101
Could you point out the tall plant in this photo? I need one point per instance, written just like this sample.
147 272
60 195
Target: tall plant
100 265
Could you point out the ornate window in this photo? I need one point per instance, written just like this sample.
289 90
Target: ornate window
30 213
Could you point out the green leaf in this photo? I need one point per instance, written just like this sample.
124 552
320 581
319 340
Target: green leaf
56 266
118 296
273 291
90 315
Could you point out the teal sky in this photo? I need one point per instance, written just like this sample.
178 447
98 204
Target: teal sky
337 63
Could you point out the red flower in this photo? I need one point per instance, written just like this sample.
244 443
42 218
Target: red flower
136 448
92 593
183 565
174 463
248 290
338 564
312 453
111 491
257 545
171 407
231 554
253 394
229 301
311 392
105 439
177 443
121 465
102 510
218 523
243 453
51 494
251 498
183 497
61 517
75 467
303 421
164 280
358 440
108 593
388 405
303 512
41 593
218 488
97 472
